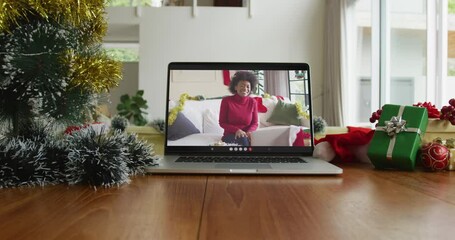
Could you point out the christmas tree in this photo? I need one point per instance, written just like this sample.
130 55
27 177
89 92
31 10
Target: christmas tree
52 63
53 71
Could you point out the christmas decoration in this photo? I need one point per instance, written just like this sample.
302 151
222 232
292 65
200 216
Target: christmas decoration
375 116
450 145
261 107
35 159
119 123
139 155
319 125
448 112
92 70
302 112
99 160
159 125
397 138
433 112
53 71
87 16
173 112
24 162
435 156
86 155
347 147
51 61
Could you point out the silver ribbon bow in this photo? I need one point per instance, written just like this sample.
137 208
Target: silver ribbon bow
395 126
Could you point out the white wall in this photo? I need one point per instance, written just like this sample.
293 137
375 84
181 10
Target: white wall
209 84
279 31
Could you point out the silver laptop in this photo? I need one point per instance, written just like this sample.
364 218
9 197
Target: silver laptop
207 104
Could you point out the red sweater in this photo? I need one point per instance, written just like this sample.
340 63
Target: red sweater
238 112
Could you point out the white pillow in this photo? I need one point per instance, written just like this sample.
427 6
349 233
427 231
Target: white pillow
211 123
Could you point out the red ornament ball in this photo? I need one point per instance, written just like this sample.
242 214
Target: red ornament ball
435 156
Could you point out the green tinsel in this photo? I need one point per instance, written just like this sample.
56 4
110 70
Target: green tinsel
33 80
83 157
140 155
119 123
52 69
36 158
26 162
158 124
99 160
76 107
319 125
38 130
32 60
46 51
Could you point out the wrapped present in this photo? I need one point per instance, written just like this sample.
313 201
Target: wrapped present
397 138
438 129
451 165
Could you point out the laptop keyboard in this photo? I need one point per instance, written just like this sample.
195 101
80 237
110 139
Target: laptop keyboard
240 159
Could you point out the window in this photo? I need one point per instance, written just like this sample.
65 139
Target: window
298 87
394 55
128 3
361 100
406 38
260 76
124 52
450 83
297 84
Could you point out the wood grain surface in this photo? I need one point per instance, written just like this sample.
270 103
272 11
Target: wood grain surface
151 207
363 203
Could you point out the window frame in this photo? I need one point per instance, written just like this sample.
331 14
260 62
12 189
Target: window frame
306 90
436 57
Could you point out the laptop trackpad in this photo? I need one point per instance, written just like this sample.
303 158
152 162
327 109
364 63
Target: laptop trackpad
243 166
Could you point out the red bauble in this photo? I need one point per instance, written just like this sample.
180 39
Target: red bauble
435 156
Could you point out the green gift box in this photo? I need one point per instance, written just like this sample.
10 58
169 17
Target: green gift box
397 138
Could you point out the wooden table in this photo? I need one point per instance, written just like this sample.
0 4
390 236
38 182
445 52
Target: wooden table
363 203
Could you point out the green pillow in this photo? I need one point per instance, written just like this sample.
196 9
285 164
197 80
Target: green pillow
285 114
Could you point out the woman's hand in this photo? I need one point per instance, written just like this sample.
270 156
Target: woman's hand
248 134
240 133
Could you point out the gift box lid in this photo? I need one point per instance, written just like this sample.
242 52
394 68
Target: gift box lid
438 128
415 117
437 125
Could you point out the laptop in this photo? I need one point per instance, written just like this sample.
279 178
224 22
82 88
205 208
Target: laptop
281 142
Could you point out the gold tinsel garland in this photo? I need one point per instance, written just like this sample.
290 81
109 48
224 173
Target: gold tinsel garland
301 112
82 14
173 113
95 73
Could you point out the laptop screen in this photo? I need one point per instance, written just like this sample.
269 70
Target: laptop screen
239 109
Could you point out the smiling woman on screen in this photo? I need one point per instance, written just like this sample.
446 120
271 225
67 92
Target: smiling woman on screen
239 112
